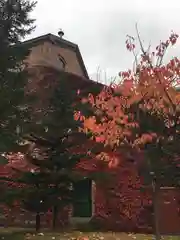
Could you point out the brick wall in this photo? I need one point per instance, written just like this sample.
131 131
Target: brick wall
46 54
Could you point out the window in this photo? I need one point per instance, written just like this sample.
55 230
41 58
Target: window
62 60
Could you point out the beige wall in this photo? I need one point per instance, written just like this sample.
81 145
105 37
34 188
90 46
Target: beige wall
46 54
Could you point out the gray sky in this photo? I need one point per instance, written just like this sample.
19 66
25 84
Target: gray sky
100 27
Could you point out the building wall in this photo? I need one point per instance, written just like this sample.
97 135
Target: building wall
46 54
120 205
169 211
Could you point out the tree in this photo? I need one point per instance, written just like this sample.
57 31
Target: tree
15 24
56 147
141 113
33 193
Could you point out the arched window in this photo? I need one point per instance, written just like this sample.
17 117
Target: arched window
63 61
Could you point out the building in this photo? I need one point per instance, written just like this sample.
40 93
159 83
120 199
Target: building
56 58
50 58
116 205
55 52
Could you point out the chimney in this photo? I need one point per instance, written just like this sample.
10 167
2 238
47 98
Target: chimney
61 33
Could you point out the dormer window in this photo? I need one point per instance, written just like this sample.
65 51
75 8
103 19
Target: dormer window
63 61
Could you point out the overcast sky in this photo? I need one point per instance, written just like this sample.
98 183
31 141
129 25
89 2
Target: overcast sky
100 27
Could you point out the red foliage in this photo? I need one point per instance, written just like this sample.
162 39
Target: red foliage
120 202
151 88
124 207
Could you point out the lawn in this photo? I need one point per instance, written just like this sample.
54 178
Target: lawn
20 234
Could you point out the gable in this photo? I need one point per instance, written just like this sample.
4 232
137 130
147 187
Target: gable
52 51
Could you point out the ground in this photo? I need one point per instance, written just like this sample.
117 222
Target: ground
22 234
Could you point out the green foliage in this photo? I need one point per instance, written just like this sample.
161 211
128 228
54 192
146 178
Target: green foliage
56 137
15 24
3 160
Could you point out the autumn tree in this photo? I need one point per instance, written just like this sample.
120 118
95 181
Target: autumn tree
142 114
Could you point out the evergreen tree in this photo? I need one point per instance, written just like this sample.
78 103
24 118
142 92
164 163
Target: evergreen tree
15 24
33 197
56 138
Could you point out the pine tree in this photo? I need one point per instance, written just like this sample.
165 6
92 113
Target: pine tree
15 24
54 178
56 138
33 197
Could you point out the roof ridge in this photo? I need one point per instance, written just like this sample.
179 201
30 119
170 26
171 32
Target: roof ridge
49 35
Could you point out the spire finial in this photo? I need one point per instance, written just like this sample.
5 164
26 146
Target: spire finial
61 33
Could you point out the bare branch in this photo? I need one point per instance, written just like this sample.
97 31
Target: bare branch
151 66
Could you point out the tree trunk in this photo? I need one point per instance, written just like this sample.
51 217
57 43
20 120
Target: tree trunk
38 222
156 190
55 216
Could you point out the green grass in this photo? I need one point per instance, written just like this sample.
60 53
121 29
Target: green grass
21 234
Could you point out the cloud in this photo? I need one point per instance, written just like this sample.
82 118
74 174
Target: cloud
100 27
